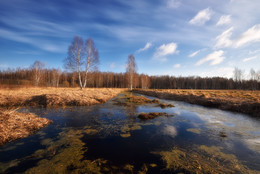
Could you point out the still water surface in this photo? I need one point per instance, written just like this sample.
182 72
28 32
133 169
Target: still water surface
110 138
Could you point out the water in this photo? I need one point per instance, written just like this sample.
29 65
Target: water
110 138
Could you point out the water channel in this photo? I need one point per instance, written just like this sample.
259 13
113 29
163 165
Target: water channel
110 138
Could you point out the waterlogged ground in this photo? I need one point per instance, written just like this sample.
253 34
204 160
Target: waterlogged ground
110 138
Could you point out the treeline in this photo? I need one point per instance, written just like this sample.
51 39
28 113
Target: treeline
171 82
56 78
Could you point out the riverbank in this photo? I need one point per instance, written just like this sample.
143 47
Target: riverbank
56 96
247 102
15 125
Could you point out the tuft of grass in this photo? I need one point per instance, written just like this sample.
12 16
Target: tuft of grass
151 115
15 125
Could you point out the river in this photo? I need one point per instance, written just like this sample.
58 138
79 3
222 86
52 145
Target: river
110 138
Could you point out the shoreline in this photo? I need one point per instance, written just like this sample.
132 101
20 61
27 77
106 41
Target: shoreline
209 98
15 125
48 97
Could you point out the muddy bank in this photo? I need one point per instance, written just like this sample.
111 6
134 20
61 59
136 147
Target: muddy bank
247 102
15 125
56 96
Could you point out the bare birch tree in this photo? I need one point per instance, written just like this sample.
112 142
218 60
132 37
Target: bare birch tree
55 77
92 58
75 59
131 69
37 69
238 74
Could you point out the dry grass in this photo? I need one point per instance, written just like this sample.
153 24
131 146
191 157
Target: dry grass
243 101
151 115
15 125
56 96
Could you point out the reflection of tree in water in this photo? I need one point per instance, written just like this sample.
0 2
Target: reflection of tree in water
131 111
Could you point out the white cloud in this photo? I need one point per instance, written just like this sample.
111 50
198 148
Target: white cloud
253 52
251 35
170 131
218 72
177 65
45 45
173 3
223 40
202 17
216 58
112 65
147 46
194 53
249 58
166 49
225 19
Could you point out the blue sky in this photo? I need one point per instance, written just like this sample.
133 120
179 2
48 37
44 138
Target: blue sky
174 37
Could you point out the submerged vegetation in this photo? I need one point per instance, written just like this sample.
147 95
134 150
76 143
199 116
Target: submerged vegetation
122 124
152 115
205 159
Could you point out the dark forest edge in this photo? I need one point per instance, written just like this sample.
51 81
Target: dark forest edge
56 78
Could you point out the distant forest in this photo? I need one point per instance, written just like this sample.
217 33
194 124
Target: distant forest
56 78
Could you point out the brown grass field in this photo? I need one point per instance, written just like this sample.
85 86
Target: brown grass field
15 125
56 96
242 101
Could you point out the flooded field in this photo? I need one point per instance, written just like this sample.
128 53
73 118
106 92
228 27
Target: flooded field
128 136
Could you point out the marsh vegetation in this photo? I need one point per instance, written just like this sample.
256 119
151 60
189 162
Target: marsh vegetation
112 138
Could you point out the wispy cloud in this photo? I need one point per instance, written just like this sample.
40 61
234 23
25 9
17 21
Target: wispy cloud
225 19
223 40
46 46
194 53
216 58
250 58
166 49
177 66
147 46
251 35
173 3
202 17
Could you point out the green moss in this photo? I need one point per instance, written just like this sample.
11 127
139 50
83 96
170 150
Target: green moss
65 156
203 160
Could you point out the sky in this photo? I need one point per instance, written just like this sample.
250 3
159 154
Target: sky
167 37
